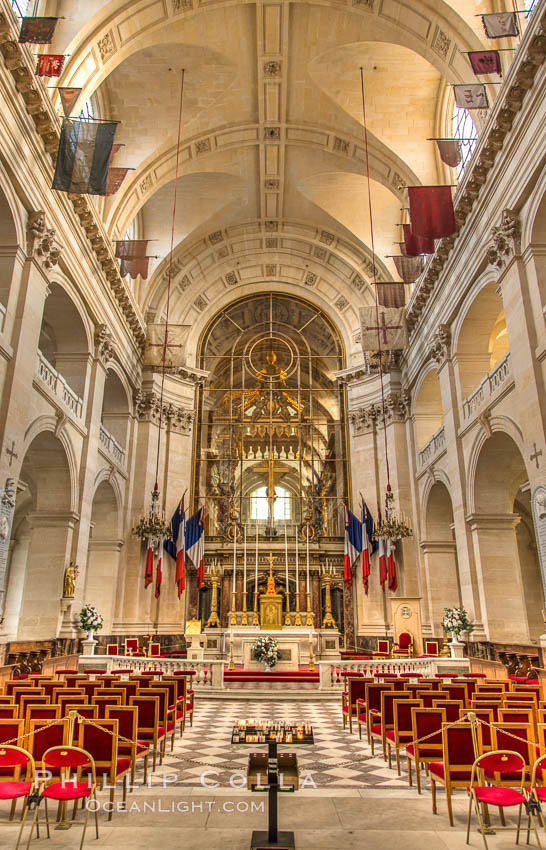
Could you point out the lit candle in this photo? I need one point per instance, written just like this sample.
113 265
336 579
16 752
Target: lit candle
286 551
256 580
234 553
307 546
244 560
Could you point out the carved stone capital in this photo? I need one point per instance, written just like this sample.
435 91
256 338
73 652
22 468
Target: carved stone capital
363 419
505 240
439 344
41 241
148 408
104 345
397 406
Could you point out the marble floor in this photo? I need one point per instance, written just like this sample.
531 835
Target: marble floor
350 799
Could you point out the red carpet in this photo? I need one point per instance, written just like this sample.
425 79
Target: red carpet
278 676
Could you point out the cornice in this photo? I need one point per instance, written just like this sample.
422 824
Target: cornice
38 106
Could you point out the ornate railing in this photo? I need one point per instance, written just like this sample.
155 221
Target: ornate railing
58 385
208 674
2 317
488 387
111 446
331 672
434 445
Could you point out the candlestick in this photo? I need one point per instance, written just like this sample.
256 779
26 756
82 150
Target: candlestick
308 616
311 656
234 556
286 551
231 665
307 548
255 618
287 621
244 559
233 615
297 618
256 578
244 618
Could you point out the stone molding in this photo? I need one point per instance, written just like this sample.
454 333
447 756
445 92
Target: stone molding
42 243
439 345
149 409
104 344
365 419
505 240
492 522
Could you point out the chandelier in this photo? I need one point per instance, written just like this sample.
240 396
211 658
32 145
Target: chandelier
152 526
391 527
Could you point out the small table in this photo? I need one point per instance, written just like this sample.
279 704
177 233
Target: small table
272 733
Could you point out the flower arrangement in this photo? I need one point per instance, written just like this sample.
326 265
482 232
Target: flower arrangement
90 619
456 621
266 649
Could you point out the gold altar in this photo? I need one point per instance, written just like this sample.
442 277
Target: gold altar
271 603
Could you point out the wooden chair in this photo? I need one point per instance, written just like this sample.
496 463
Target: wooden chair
428 697
458 757
180 688
518 715
131 646
356 690
431 649
65 700
100 739
42 736
20 692
28 699
425 722
7 700
402 733
458 692
372 705
155 650
452 708
41 712
76 681
520 738
66 692
147 713
13 786
127 717
486 717
104 702
403 648
10 712
378 731
167 726
383 649
112 649
11 729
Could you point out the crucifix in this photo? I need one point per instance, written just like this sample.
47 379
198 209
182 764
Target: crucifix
384 327
535 454
13 454
272 471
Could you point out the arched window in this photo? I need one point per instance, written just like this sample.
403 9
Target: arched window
463 128
259 506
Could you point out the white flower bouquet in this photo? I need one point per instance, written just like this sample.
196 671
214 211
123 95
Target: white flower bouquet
456 621
90 619
266 649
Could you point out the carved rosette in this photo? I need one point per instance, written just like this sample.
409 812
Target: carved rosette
505 240
148 409
104 345
439 345
42 243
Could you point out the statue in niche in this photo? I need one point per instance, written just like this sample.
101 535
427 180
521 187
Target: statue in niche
69 584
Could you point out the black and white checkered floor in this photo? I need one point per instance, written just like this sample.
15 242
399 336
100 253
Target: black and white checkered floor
337 758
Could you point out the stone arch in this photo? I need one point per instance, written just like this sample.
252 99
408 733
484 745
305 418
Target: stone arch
508 570
40 552
440 554
50 424
428 413
481 340
11 241
534 222
101 576
116 407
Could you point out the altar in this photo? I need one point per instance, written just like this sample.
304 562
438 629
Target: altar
294 645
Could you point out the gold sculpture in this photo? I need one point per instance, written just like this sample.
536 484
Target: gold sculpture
271 589
69 584
214 621
328 621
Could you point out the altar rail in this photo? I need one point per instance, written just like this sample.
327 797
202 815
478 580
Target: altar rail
331 678
208 674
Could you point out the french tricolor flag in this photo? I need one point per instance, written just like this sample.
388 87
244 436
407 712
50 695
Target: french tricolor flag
195 543
353 544
367 545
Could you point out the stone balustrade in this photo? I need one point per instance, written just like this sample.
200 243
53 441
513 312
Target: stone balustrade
488 387
208 674
436 443
2 317
58 386
332 680
111 446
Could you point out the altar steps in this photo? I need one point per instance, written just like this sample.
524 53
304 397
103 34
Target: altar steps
290 679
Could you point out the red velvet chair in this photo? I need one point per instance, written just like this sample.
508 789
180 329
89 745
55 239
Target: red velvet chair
372 707
456 692
486 717
41 712
402 733
13 761
42 737
167 725
498 765
112 649
431 649
452 708
537 790
127 718
356 690
426 723
455 769
72 764
378 730
148 713
155 650
9 712
383 649
132 646
100 739
10 729
428 697
520 737
103 702
403 648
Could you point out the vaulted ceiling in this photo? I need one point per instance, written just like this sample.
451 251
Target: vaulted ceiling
273 190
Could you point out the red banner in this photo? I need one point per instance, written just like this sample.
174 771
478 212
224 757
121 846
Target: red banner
485 61
431 211
416 245
450 151
49 65
115 178
391 294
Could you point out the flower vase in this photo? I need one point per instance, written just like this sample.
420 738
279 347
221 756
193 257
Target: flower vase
267 668
90 635
456 646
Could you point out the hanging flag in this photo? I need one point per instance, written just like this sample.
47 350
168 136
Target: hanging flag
115 149
383 328
450 151
416 245
132 253
195 543
84 156
174 346
176 545
68 97
353 544
485 61
431 211
500 24
382 549
392 580
49 65
114 179
391 294
159 571
367 544
409 268
37 30
149 568
471 96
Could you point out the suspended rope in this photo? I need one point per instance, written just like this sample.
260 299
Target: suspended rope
375 280
166 335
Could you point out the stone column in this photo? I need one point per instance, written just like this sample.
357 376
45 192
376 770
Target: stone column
440 565
499 577
102 574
